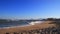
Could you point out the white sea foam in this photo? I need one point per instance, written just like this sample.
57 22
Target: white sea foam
36 22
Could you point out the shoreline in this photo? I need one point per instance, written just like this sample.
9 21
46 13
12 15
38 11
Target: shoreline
30 24
15 26
27 28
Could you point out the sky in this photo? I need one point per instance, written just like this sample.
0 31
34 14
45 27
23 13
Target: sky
27 9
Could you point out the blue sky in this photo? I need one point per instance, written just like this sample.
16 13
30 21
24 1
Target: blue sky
20 9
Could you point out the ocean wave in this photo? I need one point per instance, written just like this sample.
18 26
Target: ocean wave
14 26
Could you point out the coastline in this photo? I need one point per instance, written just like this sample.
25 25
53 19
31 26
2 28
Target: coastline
27 28
30 24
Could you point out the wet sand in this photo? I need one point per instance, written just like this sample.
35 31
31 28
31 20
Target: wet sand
27 28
